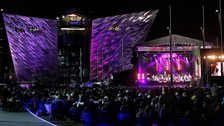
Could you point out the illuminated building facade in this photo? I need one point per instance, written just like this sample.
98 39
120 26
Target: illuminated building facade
112 40
33 47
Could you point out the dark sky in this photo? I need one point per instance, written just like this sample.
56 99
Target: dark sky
186 14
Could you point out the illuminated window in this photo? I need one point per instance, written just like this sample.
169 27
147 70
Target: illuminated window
72 17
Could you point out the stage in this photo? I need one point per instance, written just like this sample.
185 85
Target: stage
157 66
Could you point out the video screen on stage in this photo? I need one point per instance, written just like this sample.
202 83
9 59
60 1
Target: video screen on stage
156 67
33 47
216 69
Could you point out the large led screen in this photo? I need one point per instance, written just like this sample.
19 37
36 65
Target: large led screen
33 47
216 69
155 67
112 40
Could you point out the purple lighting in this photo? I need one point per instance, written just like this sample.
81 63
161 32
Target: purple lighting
33 47
112 41
158 68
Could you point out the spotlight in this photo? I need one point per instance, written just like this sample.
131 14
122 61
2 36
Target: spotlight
167 68
143 76
127 28
1 10
138 76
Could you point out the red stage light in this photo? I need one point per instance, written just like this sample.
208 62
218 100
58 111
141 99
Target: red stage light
178 64
167 65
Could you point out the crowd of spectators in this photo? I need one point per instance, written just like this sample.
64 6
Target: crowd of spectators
121 105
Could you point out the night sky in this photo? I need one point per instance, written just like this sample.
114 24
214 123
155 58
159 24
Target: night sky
186 14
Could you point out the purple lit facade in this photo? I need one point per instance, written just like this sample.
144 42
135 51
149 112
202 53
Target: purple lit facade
112 40
33 46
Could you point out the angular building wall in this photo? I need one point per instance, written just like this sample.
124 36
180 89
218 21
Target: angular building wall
112 40
33 46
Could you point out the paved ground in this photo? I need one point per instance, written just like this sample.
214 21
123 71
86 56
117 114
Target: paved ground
64 123
19 119
27 119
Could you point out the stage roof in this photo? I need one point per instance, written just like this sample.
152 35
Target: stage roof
176 40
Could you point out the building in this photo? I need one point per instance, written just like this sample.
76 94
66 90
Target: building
112 40
33 49
5 62
74 43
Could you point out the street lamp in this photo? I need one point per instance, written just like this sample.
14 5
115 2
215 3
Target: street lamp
203 49
220 29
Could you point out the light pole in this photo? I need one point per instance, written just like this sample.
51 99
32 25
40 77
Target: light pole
80 68
203 25
102 53
170 34
122 53
220 29
97 64
203 37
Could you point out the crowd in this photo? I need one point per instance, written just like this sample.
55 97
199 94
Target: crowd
121 105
